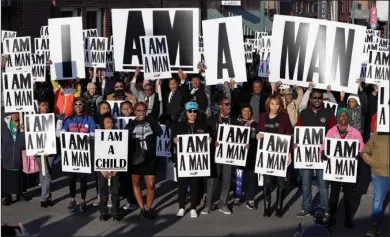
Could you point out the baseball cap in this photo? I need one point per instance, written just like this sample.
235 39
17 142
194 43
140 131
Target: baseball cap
191 105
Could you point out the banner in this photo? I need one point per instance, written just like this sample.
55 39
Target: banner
40 134
232 148
311 50
179 25
17 53
7 34
163 148
155 57
75 152
342 165
224 50
307 153
382 122
111 150
378 67
95 49
42 45
193 155
18 92
66 48
331 107
272 155
38 67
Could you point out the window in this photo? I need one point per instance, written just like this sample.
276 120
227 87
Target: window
359 6
69 12
94 20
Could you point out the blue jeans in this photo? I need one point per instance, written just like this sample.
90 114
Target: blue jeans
381 188
307 176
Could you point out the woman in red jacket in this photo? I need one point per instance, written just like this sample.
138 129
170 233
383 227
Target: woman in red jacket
274 120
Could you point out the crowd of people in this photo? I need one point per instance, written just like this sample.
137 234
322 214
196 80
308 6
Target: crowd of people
187 106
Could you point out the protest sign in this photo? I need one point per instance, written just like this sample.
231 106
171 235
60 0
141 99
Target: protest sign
375 33
90 33
17 53
307 153
121 122
18 92
66 48
163 148
38 67
258 36
7 34
383 44
40 134
311 50
44 32
42 45
264 56
265 43
201 50
115 106
224 50
273 154
193 155
383 109
75 152
110 63
341 165
155 57
248 52
95 49
378 67
111 43
363 72
331 106
179 25
233 142
111 150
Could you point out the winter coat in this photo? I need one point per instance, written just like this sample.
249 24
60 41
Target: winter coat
11 150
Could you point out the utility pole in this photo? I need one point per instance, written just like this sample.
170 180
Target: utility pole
353 12
262 15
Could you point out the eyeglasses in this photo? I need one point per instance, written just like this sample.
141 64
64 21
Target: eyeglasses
192 111
316 98
78 104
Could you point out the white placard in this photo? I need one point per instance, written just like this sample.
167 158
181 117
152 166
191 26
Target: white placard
163 146
272 155
40 134
111 150
307 153
193 155
258 36
170 170
110 65
111 43
66 48
233 142
383 115
95 49
378 67
17 45
180 25
44 31
38 67
115 108
42 45
121 122
7 34
90 33
383 44
260 180
18 92
331 106
17 53
264 56
324 52
224 50
155 57
75 152
248 47
337 147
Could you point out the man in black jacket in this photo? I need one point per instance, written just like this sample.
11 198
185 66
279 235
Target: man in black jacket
174 101
223 172
256 100
198 91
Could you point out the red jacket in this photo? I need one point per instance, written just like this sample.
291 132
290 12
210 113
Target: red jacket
373 122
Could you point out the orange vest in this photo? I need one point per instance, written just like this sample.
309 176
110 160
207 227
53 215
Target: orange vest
63 104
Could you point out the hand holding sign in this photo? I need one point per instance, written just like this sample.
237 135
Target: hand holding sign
176 140
342 95
260 136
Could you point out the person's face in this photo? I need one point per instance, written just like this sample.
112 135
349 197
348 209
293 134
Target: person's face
78 107
104 109
343 119
148 91
119 86
92 90
316 100
274 107
173 85
108 123
191 114
352 103
140 112
288 98
256 88
43 107
196 83
90 72
15 117
246 113
102 75
225 107
126 110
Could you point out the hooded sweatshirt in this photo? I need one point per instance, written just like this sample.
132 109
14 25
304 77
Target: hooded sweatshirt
357 119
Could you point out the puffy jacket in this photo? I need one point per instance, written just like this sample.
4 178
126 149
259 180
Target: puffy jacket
11 150
378 148
63 99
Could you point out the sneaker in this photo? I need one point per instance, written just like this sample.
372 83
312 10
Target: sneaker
193 213
374 231
97 203
130 207
206 210
237 202
83 207
72 206
225 210
303 213
250 204
181 212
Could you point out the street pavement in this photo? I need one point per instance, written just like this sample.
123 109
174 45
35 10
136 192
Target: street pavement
57 221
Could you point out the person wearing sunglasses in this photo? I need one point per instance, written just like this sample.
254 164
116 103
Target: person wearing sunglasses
81 123
191 125
119 88
143 133
326 96
315 116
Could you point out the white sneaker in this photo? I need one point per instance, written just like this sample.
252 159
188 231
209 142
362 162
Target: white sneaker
193 213
181 212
